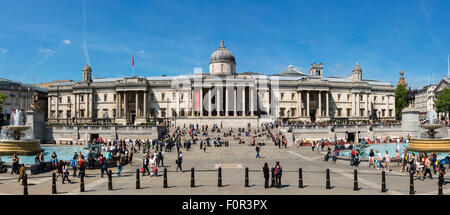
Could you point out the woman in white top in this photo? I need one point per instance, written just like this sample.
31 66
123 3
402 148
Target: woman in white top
387 161
152 164
379 160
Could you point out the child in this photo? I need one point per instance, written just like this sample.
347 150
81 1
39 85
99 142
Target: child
66 173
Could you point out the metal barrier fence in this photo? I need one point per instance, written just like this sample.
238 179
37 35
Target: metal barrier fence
273 176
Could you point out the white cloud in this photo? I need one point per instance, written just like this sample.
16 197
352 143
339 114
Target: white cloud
45 50
141 52
68 42
3 50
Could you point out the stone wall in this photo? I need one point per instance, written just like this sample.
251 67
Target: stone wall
77 134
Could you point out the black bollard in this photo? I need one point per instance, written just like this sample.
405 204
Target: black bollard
54 183
192 177
165 178
246 177
383 181
138 182
300 178
273 178
411 184
328 186
440 182
110 180
219 180
82 182
25 184
355 183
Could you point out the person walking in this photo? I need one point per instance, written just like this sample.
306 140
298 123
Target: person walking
387 161
104 166
266 175
371 155
74 166
59 169
66 173
161 158
278 172
120 163
145 164
15 164
21 173
257 148
81 166
130 157
427 167
179 161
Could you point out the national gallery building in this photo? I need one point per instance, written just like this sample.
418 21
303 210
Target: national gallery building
221 97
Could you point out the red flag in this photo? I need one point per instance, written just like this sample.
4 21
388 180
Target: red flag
133 61
197 99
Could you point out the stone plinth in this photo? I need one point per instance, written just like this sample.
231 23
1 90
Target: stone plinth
410 122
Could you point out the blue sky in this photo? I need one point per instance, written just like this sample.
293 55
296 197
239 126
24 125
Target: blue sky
44 40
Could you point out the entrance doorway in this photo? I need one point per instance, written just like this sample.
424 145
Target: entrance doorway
93 137
133 117
351 136
312 115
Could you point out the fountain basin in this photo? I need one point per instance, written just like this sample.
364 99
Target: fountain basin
20 147
429 145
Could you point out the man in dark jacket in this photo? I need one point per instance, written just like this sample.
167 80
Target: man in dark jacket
145 164
266 175
278 172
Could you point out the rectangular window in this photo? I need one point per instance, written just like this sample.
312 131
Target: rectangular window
293 110
69 99
339 110
60 112
163 112
292 96
339 97
390 112
349 111
114 97
361 111
281 95
82 113
383 112
105 97
114 113
82 98
52 114
281 111
348 97
163 95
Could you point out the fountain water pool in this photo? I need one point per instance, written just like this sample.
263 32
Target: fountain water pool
63 153
390 147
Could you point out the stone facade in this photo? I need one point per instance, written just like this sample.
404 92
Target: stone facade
424 100
215 97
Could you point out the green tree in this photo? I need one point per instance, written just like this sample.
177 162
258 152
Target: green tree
3 98
442 102
400 103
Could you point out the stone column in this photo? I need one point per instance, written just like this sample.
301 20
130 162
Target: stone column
299 104
358 102
87 105
268 102
145 104
352 97
137 104
252 100
367 106
387 105
319 97
49 107
218 100
201 101
235 101
327 107
117 106
192 101
227 103
125 106
209 102
57 107
79 105
307 104
243 101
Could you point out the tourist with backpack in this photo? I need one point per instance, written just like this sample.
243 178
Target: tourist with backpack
278 172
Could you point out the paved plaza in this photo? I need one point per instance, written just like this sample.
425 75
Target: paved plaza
233 159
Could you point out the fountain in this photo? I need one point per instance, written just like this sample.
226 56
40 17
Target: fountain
428 142
14 140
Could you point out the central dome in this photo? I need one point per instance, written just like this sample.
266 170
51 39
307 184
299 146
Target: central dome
222 61
222 55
